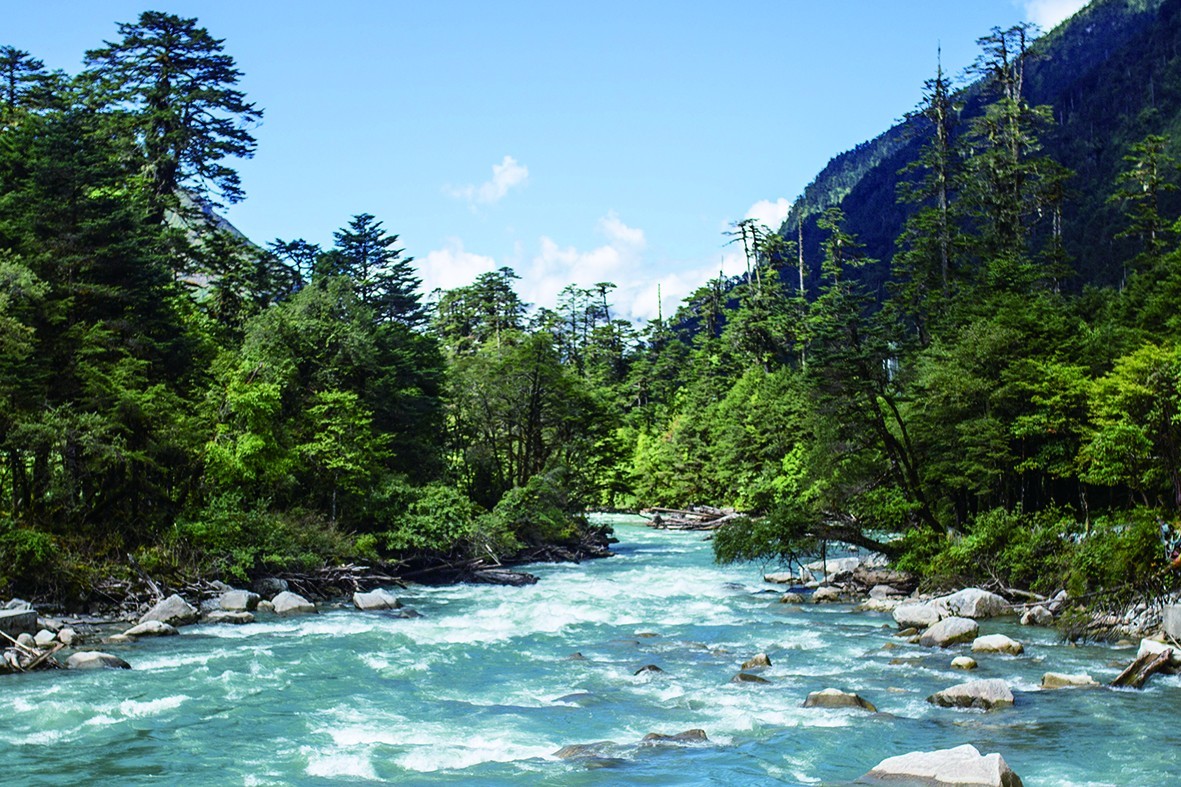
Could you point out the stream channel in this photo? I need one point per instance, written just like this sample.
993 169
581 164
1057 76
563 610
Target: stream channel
482 690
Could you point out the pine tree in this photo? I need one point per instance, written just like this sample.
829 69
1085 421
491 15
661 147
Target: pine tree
385 280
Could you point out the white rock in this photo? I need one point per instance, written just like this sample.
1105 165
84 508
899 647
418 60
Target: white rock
26 639
963 766
974 603
174 611
1061 680
826 595
919 616
780 578
93 659
985 694
288 603
44 638
1154 647
151 628
226 616
376 599
238 601
884 591
1037 616
997 643
948 632
964 662
67 636
880 604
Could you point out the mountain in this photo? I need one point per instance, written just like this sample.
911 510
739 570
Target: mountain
1112 75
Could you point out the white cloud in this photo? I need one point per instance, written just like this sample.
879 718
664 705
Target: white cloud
1048 13
452 267
508 174
768 213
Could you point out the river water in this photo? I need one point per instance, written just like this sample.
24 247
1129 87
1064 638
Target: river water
482 690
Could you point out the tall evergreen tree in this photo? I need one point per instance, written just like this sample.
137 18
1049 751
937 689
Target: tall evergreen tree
384 280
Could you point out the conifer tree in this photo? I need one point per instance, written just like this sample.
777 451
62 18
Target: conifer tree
384 279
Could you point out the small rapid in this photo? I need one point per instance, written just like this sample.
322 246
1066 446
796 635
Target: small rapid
491 681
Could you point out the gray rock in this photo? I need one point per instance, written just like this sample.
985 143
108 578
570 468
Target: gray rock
884 591
746 677
265 606
225 616
238 601
1056 603
791 598
68 637
1037 616
269 587
174 611
586 751
1152 647
151 628
26 640
376 599
974 603
15 622
93 659
964 662
826 595
997 643
688 736
963 766
835 698
1061 680
19 604
984 694
118 639
757 661
288 603
781 578
44 638
918 616
948 632
648 669
888 604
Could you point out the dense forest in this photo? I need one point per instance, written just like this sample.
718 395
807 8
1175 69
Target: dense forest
177 398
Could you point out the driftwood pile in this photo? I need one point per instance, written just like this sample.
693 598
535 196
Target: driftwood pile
692 518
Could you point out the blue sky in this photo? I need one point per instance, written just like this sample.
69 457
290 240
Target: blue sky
574 142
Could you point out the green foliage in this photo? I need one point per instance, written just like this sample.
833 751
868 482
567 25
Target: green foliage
540 512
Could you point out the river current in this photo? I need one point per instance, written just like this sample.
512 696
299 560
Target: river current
482 690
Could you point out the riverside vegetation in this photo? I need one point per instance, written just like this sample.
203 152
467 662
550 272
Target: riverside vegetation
987 414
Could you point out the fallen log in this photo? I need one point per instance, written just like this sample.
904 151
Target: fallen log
1143 668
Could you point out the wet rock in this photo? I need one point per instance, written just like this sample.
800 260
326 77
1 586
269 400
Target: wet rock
1155 648
68 637
288 603
265 607
583 751
963 766
780 578
93 659
964 662
918 616
791 598
1061 680
997 643
15 622
835 698
225 616
269 587
688 736
238 601
974 603
746 677
375 600
1037 616
151 628
758 661
948 632
26 640
174 611
884 591
18 604
648 669
576 657
907 632
826 595
983 694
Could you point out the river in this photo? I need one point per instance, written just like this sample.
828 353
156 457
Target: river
482 690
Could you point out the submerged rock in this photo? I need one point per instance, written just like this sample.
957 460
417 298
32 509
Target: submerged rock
288 603
1061 680
835 698
963 766
746 677
151 628
984 694
648 669
174 611
93 659
948 632
582 751
688 736
997 643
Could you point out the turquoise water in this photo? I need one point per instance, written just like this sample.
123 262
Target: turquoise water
478 691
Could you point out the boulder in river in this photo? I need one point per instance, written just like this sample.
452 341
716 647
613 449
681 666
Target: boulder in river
983 694
1062 680
835 698
781 578
174 611
974 603
587 751
963 766
376 599
997 643
1155 648
826 595
757 661
269 587
238 601
288 603
151 628
964 662
746 677
68 637
226 616
93 659
791 598
648 669
1038 616
44 638
918 616
948 632
688 736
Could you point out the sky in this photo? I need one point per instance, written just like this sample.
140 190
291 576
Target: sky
573 142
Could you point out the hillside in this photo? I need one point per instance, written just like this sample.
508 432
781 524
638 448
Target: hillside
1111 74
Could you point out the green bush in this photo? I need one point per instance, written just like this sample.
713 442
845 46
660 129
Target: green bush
538 513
